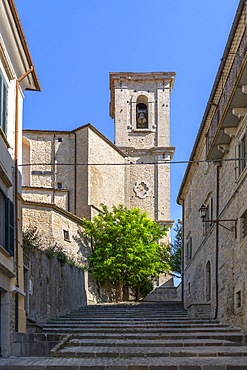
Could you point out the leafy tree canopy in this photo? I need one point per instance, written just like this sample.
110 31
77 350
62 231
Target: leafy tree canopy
125 248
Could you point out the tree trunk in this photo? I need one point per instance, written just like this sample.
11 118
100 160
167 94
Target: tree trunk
125 293
120 291
138 292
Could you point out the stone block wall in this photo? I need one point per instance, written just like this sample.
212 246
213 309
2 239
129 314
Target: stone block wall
52 225
107 181
55 288
232 261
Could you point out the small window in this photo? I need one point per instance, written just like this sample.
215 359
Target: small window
189 249
243 221
59 185
208 281
209 215
66 235
189 288
238 299
60 139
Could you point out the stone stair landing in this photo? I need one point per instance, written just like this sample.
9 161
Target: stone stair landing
138 336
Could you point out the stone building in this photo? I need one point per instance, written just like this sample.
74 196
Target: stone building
68 174
213 193
16 75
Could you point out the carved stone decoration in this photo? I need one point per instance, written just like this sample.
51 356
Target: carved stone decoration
141 189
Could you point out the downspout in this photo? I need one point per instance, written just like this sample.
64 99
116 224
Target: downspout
217 242
75 177
16 190
54 168
183 254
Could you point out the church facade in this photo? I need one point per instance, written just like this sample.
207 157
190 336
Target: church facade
68 174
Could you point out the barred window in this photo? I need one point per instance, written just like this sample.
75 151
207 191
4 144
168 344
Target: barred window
66 235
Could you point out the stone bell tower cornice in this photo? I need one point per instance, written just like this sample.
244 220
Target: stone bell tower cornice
125 78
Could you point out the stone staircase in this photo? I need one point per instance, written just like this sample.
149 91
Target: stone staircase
145 336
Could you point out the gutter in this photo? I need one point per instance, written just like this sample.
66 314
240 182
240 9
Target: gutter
23 42
18 81
216 83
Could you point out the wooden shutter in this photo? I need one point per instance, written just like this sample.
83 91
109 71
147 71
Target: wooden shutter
10 229
236 161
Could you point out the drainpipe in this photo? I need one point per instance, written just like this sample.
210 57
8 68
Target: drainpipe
182 253
217 242
75 177
16 191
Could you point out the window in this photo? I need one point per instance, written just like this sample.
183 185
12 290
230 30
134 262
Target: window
59 185
7 232
240 155
189 249
60 139
66 235
3 104
238 299
208 281
243 225
142 112
209 215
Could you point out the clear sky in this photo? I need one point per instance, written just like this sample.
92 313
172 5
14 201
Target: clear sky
75 44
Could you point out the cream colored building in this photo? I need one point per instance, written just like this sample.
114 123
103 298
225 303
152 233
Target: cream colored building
215 235
16 76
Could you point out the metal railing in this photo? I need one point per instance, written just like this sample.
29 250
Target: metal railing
227 90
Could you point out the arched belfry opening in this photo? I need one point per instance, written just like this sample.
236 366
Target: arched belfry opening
142 112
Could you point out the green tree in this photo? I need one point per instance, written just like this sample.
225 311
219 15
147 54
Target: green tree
176 248
125 251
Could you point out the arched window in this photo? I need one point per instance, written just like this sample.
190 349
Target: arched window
208 281
25 160
142 112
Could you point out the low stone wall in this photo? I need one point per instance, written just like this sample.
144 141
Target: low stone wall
53 288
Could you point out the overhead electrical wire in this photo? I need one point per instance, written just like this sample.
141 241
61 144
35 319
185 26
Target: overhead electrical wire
136 163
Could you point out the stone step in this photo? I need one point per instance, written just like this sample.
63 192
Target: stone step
141 325
133 363
74 341
99 352
145 329
123 316
232 337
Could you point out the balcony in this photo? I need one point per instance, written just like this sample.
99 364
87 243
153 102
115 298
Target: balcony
232 99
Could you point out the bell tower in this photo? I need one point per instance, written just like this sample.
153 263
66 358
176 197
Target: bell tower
140 107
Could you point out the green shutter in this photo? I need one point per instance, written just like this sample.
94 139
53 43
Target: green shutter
9 227
3 104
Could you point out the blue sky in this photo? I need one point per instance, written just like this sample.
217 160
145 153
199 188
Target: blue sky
75 44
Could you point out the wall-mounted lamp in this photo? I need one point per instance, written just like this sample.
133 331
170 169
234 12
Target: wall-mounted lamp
203 213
